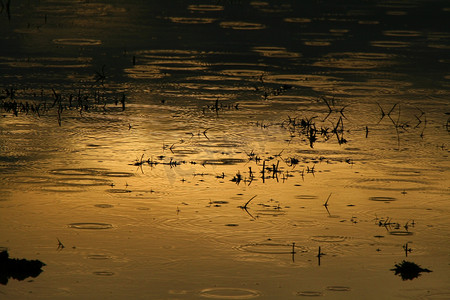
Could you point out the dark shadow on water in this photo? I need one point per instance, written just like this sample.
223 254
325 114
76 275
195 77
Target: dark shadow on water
19 269
408 270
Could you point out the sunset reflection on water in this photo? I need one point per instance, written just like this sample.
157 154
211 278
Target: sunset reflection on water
225 149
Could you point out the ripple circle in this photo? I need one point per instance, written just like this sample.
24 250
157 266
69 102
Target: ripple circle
92 226
400 233
271 248
310 294
77 42
336 288
229 293
328 238
382 199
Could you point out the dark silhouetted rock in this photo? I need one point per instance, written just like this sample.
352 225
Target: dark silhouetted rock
408 270
19 269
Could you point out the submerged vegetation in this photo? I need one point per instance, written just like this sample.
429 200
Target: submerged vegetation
43 102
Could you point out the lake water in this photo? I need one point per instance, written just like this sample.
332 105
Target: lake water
186 150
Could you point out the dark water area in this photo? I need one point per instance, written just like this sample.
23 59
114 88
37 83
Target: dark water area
226 149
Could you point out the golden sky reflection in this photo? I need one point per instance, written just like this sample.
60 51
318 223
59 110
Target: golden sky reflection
205 139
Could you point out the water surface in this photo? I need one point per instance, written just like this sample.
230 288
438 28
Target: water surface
187 150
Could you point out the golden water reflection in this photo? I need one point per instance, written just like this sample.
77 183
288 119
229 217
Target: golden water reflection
223 150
